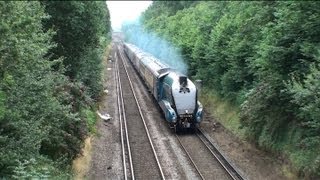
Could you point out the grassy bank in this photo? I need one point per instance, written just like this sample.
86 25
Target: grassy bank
226 113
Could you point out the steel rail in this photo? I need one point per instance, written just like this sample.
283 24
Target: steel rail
142 117
123 124
229 168
120 120
191 160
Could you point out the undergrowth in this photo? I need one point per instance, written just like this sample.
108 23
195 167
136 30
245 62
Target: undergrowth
304 158
226 113
91 119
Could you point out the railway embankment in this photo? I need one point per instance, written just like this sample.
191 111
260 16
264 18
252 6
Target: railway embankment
223 124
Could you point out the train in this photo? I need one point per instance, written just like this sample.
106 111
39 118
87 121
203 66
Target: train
174 92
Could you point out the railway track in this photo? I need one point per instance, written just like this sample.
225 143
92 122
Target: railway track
198 148
207 168
232 170
140 160
125 144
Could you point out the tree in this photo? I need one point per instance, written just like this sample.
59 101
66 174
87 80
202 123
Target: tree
30 110
82 30
41 128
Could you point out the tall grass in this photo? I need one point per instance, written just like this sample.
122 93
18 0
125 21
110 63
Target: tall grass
225 113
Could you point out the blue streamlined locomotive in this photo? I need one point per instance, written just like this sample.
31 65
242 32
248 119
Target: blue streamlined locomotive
174 92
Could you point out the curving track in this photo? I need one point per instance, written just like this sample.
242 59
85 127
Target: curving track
140 160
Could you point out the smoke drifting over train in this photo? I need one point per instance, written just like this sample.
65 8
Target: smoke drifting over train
153 44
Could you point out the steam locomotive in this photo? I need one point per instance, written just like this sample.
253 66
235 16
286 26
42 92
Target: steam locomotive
174 92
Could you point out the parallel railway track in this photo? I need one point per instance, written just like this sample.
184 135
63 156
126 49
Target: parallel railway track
125 144
228 167
140 160
226 170
217 166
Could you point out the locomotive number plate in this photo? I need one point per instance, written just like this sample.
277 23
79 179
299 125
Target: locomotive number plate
186 115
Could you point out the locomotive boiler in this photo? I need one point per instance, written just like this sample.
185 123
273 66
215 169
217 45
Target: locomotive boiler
174 92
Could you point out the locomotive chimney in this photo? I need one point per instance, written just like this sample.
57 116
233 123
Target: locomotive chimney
183 81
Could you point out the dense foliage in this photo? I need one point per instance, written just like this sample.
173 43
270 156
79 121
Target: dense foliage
41 124
262 56
81 30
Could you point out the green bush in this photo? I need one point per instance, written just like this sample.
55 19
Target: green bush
306 97
40 168
91 118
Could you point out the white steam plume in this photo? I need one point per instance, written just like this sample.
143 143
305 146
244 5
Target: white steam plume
153 44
